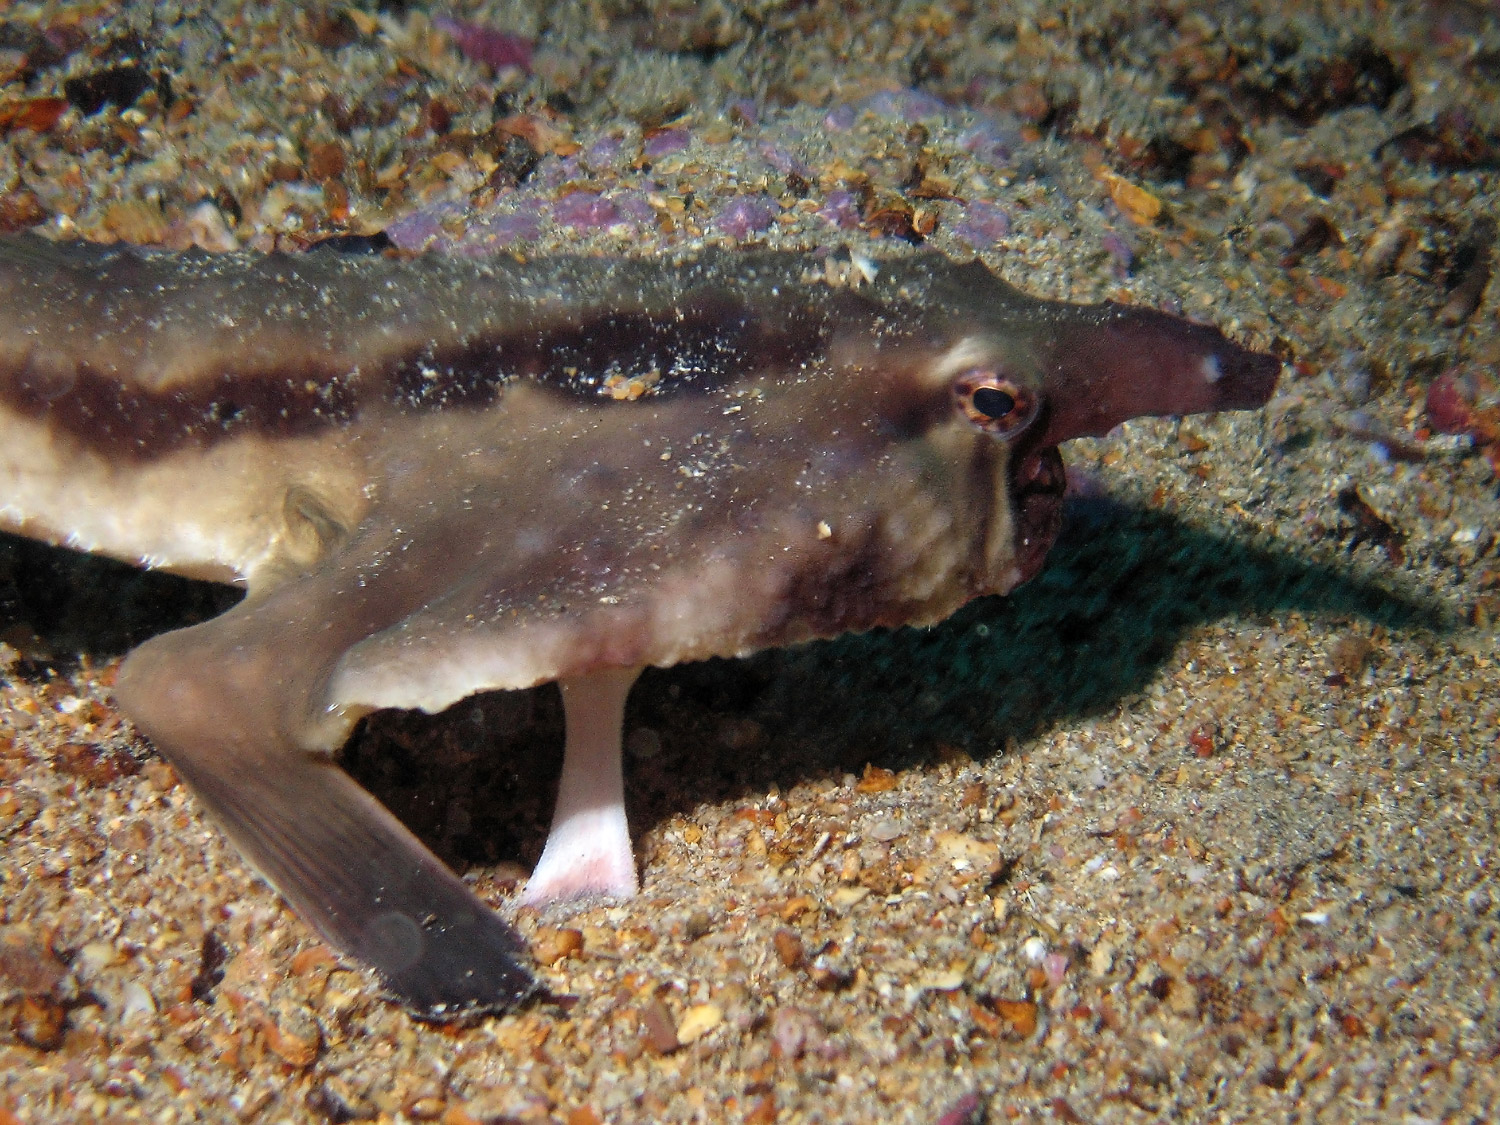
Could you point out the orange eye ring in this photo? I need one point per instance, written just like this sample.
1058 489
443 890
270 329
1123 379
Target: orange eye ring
995 404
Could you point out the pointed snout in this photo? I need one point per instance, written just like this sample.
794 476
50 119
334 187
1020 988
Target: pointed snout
1110 363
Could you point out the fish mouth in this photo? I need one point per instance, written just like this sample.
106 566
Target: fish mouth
1037 483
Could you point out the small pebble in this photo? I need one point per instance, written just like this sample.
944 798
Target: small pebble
698 1021
551 944
135 1000
788 948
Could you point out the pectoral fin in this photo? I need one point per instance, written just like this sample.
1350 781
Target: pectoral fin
349 867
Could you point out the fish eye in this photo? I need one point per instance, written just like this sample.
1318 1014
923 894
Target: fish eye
995 404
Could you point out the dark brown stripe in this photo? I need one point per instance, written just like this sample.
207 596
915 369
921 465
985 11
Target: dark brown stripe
111 417
708 343
705 346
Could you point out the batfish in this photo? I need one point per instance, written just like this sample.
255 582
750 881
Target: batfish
436 477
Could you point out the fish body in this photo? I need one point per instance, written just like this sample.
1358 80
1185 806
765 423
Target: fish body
438 477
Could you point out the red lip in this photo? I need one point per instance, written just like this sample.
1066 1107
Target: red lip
1037 483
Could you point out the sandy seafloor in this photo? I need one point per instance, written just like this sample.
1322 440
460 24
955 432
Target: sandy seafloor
1200 825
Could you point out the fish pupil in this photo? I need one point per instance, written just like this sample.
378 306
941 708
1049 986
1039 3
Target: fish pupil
994 403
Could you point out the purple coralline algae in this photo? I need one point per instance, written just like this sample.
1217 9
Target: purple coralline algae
841 209
991 143
904 105
604 152
982 225
1121 253
456 228
501 230
585 210
783 161
420 229
664 142
746 215
590 210
839 119
495 49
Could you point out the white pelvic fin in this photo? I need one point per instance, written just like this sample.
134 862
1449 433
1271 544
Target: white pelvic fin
588 850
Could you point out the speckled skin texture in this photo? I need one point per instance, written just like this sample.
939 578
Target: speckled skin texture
468 506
